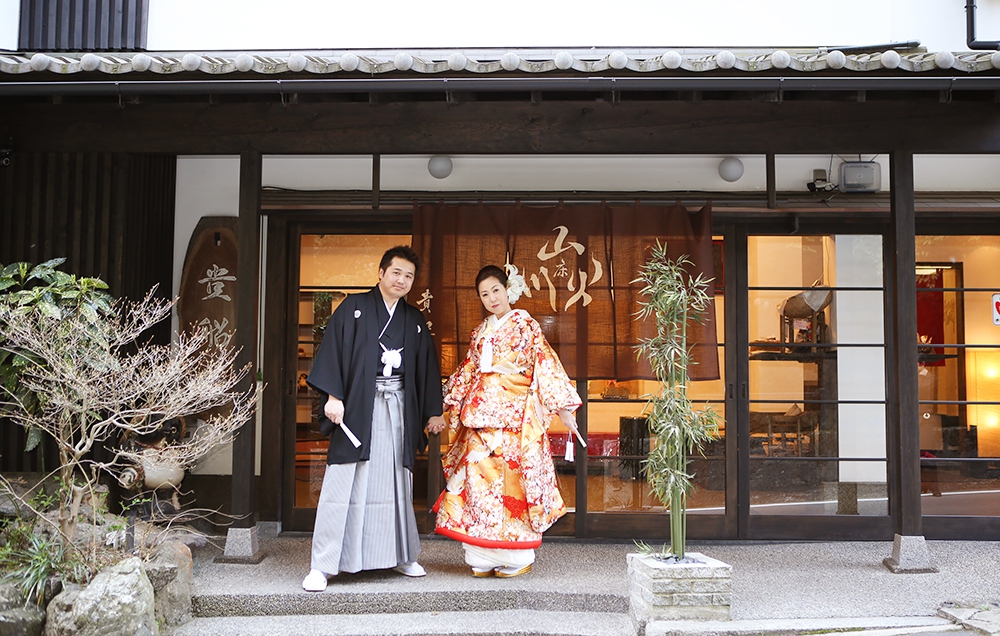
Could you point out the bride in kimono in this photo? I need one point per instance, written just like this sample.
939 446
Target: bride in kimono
501 492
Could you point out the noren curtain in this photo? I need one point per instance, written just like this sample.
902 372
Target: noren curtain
579 263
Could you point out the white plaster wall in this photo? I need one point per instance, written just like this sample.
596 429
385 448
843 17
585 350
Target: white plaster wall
953 173
860 370
10 13
614 173
304 24
206 186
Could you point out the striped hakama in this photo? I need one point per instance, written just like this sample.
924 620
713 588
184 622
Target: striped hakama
364 518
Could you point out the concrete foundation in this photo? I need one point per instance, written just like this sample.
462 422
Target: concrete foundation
241 547
909 556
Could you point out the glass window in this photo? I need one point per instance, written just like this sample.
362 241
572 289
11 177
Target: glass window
958 326
619 440
817 375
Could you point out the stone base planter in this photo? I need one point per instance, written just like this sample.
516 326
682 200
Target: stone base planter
701 589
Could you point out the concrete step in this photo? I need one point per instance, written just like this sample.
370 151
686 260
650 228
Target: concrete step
510 622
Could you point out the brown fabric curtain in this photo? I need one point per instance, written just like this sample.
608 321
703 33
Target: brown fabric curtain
578 261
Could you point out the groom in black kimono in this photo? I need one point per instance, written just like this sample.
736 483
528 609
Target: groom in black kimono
379 380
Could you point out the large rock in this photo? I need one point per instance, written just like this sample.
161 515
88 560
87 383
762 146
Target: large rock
25 486
171 573
16 619
118 601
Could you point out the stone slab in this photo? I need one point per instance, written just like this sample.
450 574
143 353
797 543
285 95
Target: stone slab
985 619
701 567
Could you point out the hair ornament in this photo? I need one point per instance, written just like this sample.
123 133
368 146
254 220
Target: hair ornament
515 283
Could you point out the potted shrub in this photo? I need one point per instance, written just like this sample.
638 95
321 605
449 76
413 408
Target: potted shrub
670 583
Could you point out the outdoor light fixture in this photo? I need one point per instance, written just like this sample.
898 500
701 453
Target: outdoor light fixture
731 169
440 166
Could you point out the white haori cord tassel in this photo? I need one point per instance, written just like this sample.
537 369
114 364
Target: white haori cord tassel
391 358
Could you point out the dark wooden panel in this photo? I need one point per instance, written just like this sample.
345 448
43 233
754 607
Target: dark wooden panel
828 528
83 25
109 215
962 528
651 527
277 380
725 127
210 492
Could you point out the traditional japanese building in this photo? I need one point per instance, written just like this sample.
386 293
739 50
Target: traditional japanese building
856 348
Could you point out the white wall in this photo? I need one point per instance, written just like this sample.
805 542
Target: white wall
393 24
620 173
206 186
10 12
860 371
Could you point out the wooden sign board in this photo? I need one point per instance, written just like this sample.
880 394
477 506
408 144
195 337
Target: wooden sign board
208 282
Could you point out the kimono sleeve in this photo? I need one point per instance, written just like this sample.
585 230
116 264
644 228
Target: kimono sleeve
428 375
555 390
327 374
460 382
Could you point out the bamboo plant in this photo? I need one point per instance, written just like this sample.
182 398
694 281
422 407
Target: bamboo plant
673 299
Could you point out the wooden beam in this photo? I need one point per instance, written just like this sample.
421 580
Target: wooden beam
771 177
245 339
549 127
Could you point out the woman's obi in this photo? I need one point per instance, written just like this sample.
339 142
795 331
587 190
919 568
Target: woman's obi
498 398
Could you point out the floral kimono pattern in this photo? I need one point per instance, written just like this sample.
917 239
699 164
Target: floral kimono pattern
501 489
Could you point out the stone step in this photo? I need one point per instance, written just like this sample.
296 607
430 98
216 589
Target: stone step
549 623
333 602
862 626
510 622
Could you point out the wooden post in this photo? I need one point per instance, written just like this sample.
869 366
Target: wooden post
909 549
241 541
772 194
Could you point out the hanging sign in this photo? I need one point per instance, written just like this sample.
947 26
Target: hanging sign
996 309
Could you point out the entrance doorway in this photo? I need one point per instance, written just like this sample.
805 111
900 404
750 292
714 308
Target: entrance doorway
604 488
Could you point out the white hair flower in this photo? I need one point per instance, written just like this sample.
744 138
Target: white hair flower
515 283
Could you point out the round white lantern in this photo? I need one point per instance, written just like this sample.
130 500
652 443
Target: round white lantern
439 166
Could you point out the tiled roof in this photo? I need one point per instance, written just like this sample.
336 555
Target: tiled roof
584 61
